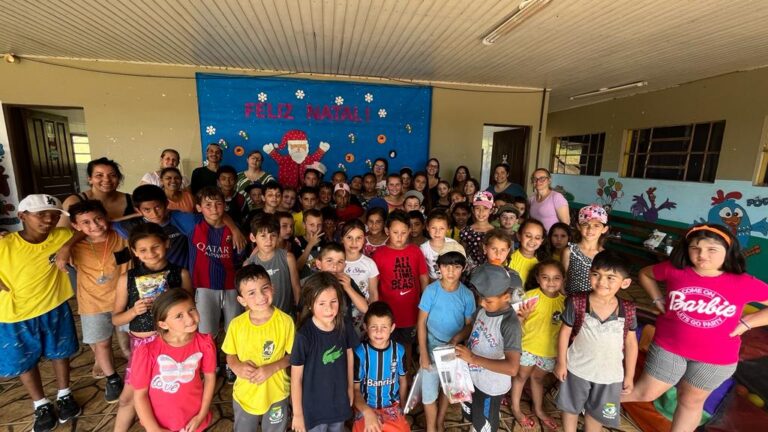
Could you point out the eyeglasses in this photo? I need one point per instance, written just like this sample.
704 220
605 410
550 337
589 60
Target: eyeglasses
539 179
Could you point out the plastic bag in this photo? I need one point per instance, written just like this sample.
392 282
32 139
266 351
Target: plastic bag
414 397
454 374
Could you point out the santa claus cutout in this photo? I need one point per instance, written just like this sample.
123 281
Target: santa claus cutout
291 167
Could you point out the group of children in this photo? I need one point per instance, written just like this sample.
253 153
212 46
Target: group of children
326 323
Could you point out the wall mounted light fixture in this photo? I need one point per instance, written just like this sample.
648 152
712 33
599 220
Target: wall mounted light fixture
604 90
11 58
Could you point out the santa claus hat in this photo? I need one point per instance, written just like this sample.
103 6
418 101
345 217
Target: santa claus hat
292 135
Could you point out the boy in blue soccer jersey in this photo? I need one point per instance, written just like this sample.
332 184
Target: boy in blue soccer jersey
380 383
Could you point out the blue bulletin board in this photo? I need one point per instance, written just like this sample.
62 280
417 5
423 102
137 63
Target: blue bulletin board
345 125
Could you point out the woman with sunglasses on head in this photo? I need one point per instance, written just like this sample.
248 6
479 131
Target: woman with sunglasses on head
547 205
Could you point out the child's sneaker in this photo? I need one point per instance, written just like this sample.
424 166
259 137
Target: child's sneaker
68 408
113 389
45 418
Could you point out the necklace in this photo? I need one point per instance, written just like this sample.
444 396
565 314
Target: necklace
102 279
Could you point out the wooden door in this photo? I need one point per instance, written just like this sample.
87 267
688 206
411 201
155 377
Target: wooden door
51 156
509 146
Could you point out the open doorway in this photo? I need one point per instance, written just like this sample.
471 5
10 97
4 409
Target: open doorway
507 144
50 149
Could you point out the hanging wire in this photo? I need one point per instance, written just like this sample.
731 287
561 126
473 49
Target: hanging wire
279 74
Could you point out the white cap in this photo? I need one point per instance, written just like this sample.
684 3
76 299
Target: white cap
319 167
40 202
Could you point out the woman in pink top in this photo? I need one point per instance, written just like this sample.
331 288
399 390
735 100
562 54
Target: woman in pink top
697 337
547 205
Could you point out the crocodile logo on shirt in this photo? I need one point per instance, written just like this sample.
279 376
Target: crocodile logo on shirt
331 355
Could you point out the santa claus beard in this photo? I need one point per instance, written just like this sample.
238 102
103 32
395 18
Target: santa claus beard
298 151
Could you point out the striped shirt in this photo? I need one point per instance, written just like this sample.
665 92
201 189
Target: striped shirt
378 372
212 257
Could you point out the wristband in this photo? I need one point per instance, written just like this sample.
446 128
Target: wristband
741 320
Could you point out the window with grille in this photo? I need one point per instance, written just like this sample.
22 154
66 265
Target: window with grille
82 148
578 154
686 152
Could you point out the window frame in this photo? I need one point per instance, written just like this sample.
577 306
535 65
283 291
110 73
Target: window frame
761 169
595 156
632 153
72 137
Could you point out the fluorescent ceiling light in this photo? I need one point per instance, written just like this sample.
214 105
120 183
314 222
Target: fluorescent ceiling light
525 9
610 89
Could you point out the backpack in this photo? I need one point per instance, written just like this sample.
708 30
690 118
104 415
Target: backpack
580 309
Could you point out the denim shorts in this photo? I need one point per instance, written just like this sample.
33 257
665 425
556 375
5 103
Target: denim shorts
51 335
430 384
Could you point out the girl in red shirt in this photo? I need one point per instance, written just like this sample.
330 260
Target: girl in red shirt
168 391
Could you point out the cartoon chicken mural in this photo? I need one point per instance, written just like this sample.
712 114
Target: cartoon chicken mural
649 212
726 211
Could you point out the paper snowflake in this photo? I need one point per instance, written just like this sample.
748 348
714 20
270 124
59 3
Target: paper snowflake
262 97
382 113
210 130
299 94
339 100
368 97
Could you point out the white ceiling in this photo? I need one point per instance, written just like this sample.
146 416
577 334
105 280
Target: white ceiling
571 46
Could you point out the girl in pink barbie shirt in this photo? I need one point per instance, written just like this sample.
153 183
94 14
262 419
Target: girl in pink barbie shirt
698 333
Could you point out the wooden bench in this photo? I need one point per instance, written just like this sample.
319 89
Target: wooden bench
626 237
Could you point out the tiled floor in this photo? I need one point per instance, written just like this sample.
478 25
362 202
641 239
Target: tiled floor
16 407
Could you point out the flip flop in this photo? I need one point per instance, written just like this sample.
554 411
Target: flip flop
97 373
548 423
527 423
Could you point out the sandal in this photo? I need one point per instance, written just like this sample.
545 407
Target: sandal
527 423
548 423
97 373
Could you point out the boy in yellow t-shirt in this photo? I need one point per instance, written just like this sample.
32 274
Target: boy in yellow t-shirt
258 344
35 319
541 326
